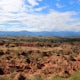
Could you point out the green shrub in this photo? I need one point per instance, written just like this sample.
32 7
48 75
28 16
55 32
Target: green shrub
75 76
58 78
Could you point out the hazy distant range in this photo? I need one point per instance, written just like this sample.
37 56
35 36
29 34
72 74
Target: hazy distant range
43 33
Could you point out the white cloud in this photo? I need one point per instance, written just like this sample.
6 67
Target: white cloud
22 20
40 8
11 5
34 2
58 5
52 21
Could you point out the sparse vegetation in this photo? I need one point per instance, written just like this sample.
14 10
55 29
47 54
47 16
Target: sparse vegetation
39 58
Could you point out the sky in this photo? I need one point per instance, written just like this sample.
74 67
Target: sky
40 15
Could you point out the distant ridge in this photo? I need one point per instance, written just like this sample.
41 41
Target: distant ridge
43 33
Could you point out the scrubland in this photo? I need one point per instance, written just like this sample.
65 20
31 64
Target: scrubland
39 58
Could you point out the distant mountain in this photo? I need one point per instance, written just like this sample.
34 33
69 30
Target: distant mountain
43 33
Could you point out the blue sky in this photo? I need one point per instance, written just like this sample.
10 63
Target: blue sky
40 15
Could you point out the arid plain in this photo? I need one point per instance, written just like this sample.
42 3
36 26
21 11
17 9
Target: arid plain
39 58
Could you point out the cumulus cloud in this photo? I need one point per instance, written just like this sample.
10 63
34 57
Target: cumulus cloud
15 16
11 5
40 8
34 2
58 5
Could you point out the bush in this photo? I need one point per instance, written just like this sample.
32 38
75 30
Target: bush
58 78
75 76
